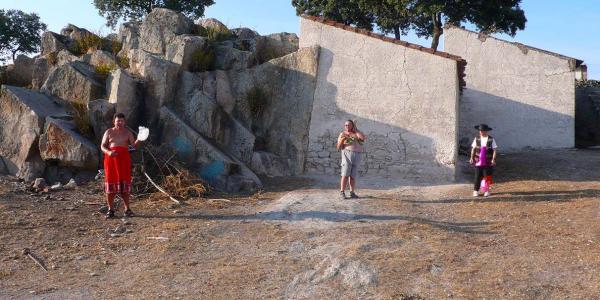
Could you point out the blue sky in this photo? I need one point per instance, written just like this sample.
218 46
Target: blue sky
566 27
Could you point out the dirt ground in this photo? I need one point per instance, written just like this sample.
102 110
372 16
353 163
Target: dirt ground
536 237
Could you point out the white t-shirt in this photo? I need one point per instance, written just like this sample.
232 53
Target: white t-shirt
484 142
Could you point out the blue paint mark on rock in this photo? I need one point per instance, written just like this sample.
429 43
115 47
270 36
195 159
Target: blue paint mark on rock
213 170
181 145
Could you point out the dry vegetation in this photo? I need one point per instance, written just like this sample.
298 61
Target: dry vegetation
535 238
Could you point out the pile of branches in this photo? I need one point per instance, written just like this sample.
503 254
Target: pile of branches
157 170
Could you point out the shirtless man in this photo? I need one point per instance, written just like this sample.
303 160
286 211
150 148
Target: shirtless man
117 164
350 142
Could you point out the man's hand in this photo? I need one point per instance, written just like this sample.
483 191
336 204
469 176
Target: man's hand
112 153
493 162
471 160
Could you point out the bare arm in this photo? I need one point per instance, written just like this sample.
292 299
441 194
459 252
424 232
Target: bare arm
360 136
105 145
132 140
494 158
340 141
472 159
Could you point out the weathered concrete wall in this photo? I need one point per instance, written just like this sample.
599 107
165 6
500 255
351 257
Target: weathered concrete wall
404 99
527 95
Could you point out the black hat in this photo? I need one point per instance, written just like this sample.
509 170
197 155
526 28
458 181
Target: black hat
483 127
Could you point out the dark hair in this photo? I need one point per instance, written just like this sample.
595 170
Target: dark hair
119 116
353 125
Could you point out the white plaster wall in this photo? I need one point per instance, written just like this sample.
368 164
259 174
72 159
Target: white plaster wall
404 100
526 95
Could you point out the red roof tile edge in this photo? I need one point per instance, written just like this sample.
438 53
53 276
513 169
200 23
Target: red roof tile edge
461 63
382 37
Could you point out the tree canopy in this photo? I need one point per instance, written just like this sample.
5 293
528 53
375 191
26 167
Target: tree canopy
135 10
425 17
19 32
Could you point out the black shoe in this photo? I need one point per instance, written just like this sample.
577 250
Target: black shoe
342 195
129 213
110 214
353 195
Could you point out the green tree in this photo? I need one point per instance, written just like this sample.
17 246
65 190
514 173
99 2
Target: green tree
490 16
390 16
349 12
19 32
135 10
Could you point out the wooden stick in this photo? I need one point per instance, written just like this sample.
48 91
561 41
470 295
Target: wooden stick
27 252
161 189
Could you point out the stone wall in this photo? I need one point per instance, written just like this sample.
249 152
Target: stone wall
526 94
410 123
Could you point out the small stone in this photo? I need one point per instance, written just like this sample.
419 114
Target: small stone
93 274
71 184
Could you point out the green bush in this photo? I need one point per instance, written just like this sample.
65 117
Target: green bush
94 42
266 53
87 42
103 70
199 30
257 100
123 62
218 35
203 60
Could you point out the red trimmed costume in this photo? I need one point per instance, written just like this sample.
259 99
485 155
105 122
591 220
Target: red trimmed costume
117 171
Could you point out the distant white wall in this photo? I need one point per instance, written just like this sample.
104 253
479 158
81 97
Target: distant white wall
527 95
404 99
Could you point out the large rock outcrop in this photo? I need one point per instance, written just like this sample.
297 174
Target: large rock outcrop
159 29
128 36
61 142
182 49
275 100
20 73
160 80
124 93
101 113
53 42
219 169
74 82
22 116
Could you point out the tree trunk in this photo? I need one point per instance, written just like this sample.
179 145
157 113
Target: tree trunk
436 18
397 31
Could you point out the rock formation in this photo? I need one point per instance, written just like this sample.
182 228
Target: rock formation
231 103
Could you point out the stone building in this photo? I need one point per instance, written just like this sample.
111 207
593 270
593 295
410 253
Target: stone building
526 94
402 96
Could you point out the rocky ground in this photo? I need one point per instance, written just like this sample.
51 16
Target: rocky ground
536 237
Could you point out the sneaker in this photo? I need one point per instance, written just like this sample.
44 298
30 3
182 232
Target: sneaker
353 195
342 195
486 194
475 194
110 214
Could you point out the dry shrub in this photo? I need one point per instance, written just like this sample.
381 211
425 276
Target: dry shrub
203 60
257 101
123 62
82 120
52 58
161 164
266 52
184 185
218 34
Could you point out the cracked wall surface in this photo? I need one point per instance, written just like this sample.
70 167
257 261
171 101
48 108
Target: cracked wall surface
526 94
405 100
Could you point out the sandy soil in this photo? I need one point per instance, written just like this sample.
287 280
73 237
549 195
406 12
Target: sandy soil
536 237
